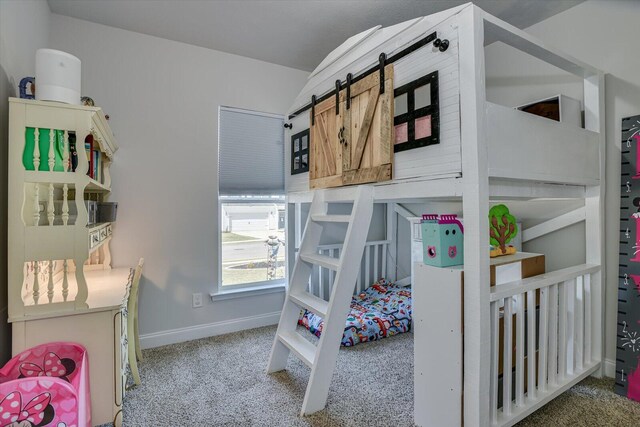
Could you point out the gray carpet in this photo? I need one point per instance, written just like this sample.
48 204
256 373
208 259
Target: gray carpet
221 381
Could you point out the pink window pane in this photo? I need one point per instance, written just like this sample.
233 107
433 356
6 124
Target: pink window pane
423 127
401 133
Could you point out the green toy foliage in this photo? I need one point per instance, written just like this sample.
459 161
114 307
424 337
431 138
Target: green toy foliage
502 227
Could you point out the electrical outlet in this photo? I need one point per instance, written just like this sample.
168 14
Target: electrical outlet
197 300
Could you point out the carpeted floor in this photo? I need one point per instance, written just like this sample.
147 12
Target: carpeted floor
221 381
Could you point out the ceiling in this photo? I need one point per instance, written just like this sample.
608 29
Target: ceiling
293 33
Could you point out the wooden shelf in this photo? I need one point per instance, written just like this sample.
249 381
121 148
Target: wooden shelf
44 177
96 186
56 177
97 226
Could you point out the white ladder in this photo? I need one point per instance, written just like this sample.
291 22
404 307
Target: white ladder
321 358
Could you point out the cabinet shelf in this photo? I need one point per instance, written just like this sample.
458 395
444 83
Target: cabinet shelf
96 186
50 177
45 177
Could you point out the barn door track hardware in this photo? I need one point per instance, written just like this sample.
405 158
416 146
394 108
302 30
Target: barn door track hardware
313 110
442 45
383 61
349 77
338 84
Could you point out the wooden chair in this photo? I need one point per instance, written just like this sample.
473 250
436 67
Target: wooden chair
135 353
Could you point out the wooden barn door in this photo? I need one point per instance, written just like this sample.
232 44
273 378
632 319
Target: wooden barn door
354 146
367 148
325 158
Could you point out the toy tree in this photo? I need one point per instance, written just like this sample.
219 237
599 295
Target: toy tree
502 227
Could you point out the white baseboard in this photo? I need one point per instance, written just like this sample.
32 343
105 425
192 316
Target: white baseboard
610 368
174 336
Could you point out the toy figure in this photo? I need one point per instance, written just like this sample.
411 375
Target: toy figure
502 229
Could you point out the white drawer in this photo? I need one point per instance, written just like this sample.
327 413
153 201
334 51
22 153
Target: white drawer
94 239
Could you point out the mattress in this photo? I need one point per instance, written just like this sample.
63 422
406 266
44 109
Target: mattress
381 311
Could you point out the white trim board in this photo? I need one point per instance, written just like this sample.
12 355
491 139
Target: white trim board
609 368
174 336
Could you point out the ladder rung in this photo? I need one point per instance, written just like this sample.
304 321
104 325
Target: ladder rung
311 303
331 218
302 348
321 260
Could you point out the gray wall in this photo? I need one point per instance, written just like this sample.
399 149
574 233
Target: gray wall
604 34
163 99
24 28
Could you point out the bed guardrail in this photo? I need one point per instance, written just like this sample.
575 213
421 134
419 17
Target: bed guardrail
557 334
372 267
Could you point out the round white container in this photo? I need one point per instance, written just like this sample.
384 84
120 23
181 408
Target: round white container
57 76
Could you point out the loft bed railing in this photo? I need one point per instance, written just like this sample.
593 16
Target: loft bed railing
373 266
549 320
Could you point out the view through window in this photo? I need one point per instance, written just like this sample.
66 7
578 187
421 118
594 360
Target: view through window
253 237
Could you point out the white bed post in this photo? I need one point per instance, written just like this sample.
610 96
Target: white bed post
392 235
594 119
477 350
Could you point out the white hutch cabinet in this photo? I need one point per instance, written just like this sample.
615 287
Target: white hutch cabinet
61 285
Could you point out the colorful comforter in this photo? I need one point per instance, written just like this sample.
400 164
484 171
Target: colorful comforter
381 311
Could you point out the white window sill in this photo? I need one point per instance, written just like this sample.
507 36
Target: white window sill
248 291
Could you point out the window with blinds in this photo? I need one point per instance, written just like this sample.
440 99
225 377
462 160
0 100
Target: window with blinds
251 152
252 209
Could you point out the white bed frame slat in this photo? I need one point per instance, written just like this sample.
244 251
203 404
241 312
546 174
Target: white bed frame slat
531 345
495 349
323 278
520 314
553 335
506 357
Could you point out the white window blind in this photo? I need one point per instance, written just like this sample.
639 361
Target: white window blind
251 152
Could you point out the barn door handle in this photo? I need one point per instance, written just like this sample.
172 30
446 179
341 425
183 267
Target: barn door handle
341 138
313 110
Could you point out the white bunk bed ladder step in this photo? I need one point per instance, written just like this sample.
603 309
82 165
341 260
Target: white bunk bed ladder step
321 358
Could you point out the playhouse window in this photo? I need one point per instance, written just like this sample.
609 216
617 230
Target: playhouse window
300 152
416 113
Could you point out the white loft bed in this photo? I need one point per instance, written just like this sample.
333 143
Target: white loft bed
485 152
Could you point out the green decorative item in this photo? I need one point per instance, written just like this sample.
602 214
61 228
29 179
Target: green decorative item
44 142
502 229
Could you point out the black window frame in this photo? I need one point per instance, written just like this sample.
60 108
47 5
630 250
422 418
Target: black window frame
300 152
412 114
